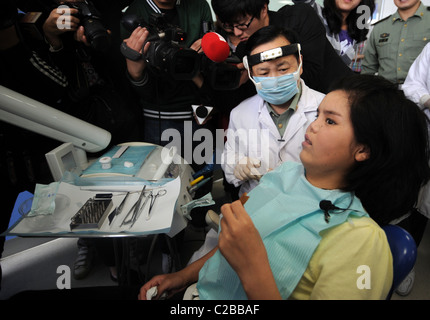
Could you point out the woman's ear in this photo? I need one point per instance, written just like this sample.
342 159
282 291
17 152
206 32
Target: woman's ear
362 153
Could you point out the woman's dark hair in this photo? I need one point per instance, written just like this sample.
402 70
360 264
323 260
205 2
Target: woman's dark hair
270 33
229 11
395 131
334 19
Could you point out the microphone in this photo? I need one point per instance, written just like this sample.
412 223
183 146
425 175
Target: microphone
215 47
326 206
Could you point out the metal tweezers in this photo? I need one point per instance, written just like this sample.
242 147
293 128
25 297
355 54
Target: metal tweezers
118 209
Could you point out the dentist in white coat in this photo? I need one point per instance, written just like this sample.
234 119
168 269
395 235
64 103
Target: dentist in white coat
268 128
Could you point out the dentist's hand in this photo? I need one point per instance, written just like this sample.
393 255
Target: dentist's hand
247 169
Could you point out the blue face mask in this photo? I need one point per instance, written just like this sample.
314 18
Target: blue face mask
277 90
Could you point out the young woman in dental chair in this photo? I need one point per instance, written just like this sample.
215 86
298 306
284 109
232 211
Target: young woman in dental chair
311 230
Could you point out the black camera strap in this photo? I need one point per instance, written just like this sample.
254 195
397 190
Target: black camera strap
130 53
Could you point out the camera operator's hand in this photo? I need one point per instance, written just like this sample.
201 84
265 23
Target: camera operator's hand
197 46
80 36
135 42
243 74
58 22
198 79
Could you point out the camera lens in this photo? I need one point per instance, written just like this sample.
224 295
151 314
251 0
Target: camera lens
181 63
96 34
95 31
186 63
224 76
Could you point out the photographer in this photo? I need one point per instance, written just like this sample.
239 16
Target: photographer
165 100
82 46
29 72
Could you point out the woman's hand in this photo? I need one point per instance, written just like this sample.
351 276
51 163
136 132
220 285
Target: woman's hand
166 283
241 245
358 57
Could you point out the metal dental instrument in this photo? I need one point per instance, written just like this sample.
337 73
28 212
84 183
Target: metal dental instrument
118 209
141 208
154 197
135 209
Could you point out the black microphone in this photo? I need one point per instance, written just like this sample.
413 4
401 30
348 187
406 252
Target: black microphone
326 206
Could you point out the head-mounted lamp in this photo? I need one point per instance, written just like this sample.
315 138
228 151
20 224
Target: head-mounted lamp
249 61
252 60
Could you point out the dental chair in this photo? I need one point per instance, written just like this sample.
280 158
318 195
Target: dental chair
404 252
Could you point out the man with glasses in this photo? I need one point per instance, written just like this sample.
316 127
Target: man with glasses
244 17
268 128
240 26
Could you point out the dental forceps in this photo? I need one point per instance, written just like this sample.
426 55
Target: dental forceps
154 197
135 210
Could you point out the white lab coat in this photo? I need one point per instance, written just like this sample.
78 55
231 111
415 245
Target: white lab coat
417 84
252 133
417 88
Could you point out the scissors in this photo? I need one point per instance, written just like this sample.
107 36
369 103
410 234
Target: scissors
154 197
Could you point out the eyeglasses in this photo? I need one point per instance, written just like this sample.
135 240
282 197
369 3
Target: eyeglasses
240 26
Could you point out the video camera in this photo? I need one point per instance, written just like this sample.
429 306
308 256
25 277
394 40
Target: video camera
222 75
95 31
165 52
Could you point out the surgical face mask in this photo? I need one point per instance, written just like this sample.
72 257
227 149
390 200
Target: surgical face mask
277 90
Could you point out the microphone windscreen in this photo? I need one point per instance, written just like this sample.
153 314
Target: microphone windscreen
326 205
215 47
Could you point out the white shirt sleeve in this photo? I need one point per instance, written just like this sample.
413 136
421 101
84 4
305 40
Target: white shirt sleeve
232 153
417 84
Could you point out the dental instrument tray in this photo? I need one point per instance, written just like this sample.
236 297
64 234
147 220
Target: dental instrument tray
92 214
